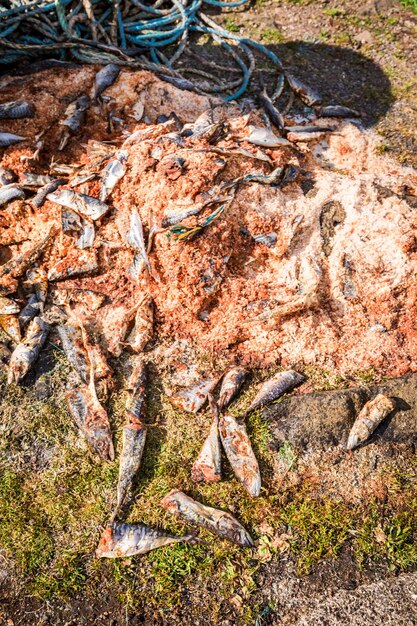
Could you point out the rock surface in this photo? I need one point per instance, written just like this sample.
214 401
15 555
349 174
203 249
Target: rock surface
318 421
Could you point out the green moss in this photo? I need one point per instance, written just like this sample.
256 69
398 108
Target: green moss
319 529
272 35
410 4
231 26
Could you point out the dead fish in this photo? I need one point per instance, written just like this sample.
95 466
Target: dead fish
9 193
174 217
31 180
114 171
193 399
10 325
70 220
275 387
290 174
133 444
7 176
309 129
8 139
27 351
136 386
124 540
20 263
44 191
83 263
371 415
75 115
219 522
274 178
87 236
266 138
105 78
142 331
306 94
73 346
16 109
87 206
171 166
207 466
91 418
134 238
231 385
8 307
272 112
239 452
31 310
138 110
336 110
267 239
136 268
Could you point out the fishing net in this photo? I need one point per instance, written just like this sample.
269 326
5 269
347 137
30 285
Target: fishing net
128 32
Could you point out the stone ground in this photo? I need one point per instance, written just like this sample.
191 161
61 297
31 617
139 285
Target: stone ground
364 54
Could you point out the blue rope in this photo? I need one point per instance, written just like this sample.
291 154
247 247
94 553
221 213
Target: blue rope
146 28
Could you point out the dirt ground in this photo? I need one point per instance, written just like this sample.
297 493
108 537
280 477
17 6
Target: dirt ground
335 532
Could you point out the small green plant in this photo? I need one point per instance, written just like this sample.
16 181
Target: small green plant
272 35
231 26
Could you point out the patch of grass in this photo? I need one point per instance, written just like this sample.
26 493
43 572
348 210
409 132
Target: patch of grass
410 4
272 35
231 26
319 529
334 12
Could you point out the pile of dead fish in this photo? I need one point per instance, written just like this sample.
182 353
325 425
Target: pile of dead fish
27 327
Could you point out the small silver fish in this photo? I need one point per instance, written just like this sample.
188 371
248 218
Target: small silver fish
114 171
370 417
82 263
174 217
28 350
8 307
31 310
8 139
231 385
91 418
87 236
267 239
9 193
31 180
207 466
7 176
336 110
239 452
266 138
16 109
271 110
105 78
124 540
194 398
306 94
219 522
142 331
134 238
42 193
73 346
70 220
273 388
75 115
133 443
87 206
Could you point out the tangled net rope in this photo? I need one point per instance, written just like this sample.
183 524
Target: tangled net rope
128 32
